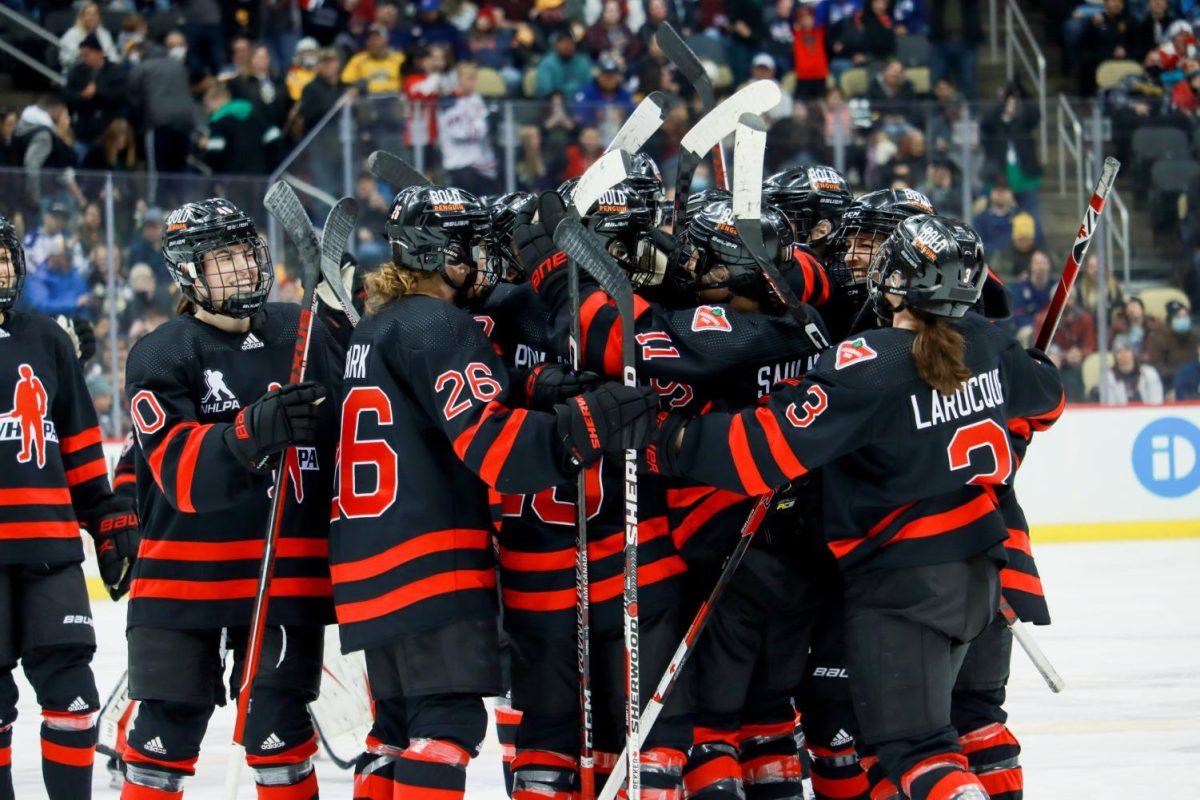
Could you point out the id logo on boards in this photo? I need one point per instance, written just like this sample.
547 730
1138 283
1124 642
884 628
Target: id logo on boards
1166 457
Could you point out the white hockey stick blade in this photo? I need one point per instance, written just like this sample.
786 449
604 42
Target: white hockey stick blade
394 170
339 227
758 97
749 149
283 204
608 170
645 120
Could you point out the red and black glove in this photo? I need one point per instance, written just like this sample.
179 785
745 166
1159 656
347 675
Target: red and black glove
544 262
547 385
279 419
662 454
610 418
115 531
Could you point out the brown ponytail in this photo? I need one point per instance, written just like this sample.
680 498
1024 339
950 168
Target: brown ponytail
389 283
938 354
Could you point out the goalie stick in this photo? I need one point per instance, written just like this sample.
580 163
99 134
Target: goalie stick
688 63
282 203
394 170
645 120
583 248
758 97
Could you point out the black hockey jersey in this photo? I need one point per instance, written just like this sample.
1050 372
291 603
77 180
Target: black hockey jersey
909 474
203 514
54 476
425 432
1020 579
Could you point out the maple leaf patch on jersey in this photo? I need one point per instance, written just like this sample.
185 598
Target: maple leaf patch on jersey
711 318
853 351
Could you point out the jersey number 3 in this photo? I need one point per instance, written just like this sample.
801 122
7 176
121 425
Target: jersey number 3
983 434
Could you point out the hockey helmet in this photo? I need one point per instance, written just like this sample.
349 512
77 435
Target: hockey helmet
210 239
933 264
432 226
497 240
10 244
866 224
711 234
808 194
646 180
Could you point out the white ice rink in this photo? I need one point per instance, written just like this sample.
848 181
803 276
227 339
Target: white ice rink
1126 639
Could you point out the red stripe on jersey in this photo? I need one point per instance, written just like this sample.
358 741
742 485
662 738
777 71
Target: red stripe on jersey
245 549
68 756
936 524
415 592
418 546
743 459
5 756
165 589
497 454
640 306
187 467
123 478
554 560
90 470
703 513
34 496
1043 421
1021 582
39 530
1019 540
844 547
600 591
87 438
467 436
688 496
587 314
806 267
156 458
781 451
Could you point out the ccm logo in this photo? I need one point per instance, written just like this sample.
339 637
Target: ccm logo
116 523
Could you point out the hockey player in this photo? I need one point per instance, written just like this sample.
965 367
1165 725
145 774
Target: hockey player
427 428
57 480
913 417
212 422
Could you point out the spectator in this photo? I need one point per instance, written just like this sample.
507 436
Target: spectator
431 28
657 12
373 206
91 228
100 390
1187 379
1129 380
115 151
132 35
910 18
1032 295
1172 345
890 91
1087 287
280 25
847 44
53 287
747 30
1177 47
87 23
831 12
762 68
955 33
491 46
145 295
1013 261
260 85
609 35
1076 333
558 131
780 42
323 21
1009 135
460 13
994 225
533 173
41 239
146 250
809 58
43 138
583 153
564 69
1108 34
431 79
549 18
467 153
304 67
376 69
939 185
238 135
8 127
797 139
321 92
1150 30
878 26
239 59
95 91
1132 322
1185 97
159 91
604 99
1070 372
202 27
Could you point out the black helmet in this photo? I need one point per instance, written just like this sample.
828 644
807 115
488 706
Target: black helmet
699 200
430 224
712 233
934 264
497 240
196 229
646 180
872 217
808 194
626 221
10 242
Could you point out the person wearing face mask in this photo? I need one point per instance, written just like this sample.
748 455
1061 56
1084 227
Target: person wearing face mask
1169 347
303 68
1129 380
159 92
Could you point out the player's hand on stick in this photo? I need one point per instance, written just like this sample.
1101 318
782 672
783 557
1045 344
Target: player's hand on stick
280 418
609 418
547 385
544 261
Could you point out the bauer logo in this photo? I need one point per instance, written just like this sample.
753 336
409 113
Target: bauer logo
1166 457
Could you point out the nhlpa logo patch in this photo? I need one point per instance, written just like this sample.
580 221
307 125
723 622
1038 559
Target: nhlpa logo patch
219 397
26 422
711 318
853 352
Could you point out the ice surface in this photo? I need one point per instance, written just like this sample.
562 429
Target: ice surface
1126 639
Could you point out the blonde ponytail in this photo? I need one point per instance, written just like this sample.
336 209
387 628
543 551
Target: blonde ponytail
390 282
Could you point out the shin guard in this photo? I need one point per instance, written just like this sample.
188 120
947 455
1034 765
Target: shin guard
544 775
431 769
713 770
942 777
993 754
770 762
68 751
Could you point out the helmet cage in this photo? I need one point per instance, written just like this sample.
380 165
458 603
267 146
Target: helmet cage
185 251
16 253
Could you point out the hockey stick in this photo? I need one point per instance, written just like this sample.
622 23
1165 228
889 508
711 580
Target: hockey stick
282 203
753 98
687 646
647 118
582 247
334 236
394 170
688 63
1083 240
749 149
1030 646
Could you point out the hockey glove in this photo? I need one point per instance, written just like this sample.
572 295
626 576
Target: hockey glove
82 335
280 418
662 455
115 532
544 262
547 385
611 418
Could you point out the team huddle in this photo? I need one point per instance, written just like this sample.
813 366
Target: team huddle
441 456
